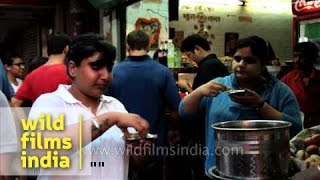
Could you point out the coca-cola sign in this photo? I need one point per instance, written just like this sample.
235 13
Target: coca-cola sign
305 6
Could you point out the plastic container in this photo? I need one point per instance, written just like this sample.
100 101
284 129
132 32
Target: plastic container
171 54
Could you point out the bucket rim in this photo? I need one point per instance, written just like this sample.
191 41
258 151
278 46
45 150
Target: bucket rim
282 124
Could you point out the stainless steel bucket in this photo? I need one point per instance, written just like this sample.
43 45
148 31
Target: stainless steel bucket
252 149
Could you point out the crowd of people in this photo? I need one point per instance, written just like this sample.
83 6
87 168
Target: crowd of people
140 95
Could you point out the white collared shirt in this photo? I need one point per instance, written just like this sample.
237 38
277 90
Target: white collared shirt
108 148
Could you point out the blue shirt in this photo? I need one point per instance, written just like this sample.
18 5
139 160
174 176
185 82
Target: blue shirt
5 86
147 88
221 108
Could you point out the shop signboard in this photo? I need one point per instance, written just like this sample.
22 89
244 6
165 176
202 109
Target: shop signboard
300 7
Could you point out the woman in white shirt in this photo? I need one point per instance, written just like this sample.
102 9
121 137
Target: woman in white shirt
105 119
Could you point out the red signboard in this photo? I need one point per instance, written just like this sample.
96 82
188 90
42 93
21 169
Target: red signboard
305 7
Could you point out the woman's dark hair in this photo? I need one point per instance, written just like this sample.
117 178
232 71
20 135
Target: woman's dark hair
271 53
258 48
86 45
257 45
190 43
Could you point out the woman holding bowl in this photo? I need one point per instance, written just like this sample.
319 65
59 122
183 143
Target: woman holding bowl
264 96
